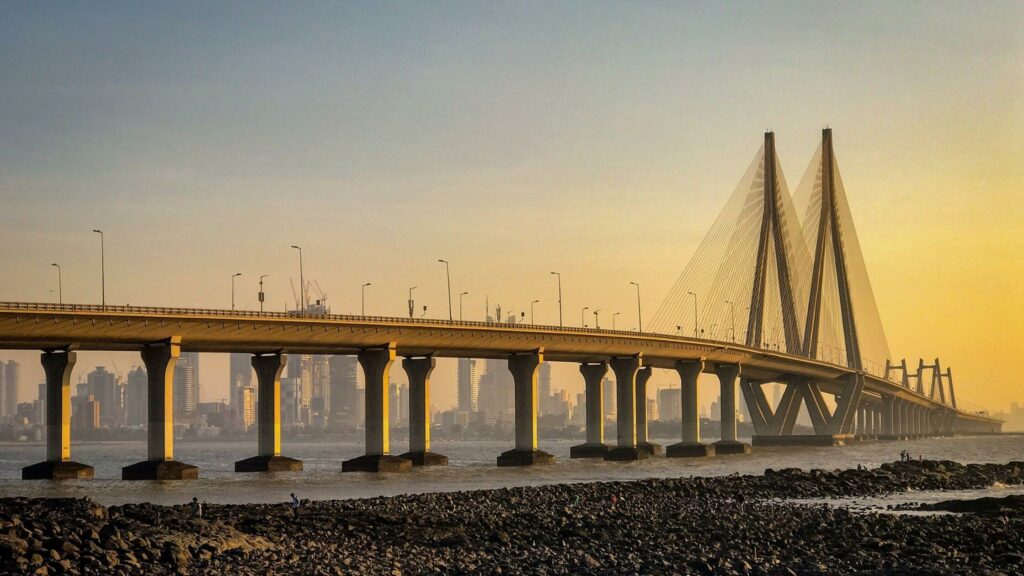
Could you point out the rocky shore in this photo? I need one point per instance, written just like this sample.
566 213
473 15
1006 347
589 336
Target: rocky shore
722 525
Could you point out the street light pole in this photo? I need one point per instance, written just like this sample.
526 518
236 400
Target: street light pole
583 319
233 276
559 274
363 298
412 304
694 313
639 316
732 319
448 273
613 319
597 319
531 310
460 304
261 291
103 269
60 285
302 281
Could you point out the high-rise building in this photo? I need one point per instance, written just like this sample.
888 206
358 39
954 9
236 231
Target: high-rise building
186 385
670 404
342 380
320 374
248 407
41 405
135 398
105 390
544 399
10 375
290 401
393 404
497 389
240 376
468 385
301 372
652 409
608 391
403 404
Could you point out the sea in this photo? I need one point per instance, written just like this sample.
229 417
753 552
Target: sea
472 467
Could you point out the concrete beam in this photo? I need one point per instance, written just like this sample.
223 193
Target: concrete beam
268 369
727 376
159 359
691 445
642 441
593 375
524 373
57 365
418 371
625 369
376 365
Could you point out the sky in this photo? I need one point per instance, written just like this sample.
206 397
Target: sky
598 139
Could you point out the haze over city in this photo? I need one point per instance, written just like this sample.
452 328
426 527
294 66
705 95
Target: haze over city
597 140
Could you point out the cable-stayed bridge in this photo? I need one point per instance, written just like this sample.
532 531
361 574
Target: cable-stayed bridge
777 293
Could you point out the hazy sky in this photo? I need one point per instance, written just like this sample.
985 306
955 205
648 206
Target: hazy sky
597 139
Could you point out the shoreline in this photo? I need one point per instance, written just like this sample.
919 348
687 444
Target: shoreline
693 525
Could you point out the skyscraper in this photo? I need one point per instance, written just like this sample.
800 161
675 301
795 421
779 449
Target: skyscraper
301 372
544 399
670 404
105 390
10 375
186 385
468 385
135 398
342 381
608 391
240 377
497 388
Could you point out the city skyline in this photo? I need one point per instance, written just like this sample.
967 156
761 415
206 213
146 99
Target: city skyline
380 167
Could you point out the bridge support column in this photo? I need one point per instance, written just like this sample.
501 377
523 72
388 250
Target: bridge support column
418 371
626 369
691 445
161 465
594 447
57 365
524 374
860 424
727 376
905 419
642 442
376 365
268 369
886 415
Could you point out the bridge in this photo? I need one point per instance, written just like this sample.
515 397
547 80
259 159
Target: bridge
805 284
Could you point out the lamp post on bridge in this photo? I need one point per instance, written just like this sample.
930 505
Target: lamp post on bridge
597 319
583 318
639 316
103 269
60 284
613 319
448 274
302 282
460 304
559 274
412 303
531 310
694 313
233 276
261 296
362 299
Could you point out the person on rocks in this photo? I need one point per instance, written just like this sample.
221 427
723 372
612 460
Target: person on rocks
197 508
295 505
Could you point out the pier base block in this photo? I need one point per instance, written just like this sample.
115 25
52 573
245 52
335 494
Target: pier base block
651 448
426 458
689 450
588 451
731 447
377 463
525 458
626 454
57 471
160 470
268 464
803 440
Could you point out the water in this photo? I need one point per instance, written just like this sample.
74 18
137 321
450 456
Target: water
472 467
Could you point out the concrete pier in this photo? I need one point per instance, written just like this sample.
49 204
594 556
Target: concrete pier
376 365
524 373
625 369
418 371
727 376
268 369
594 447
691 446
57 365
159 360
642 442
